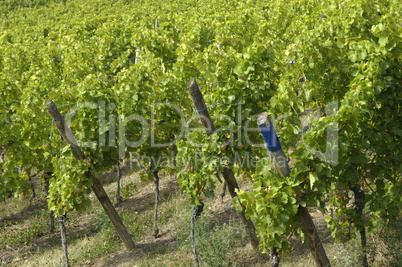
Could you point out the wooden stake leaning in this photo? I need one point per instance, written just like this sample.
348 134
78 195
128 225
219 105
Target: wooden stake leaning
230 180
281 166
98 189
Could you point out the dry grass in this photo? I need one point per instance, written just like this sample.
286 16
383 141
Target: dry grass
221 238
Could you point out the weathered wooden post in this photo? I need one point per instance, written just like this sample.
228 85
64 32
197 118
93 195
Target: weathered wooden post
98 189
47 187
197 210
156 182
118 195
359 206
227 173
65 261
281 166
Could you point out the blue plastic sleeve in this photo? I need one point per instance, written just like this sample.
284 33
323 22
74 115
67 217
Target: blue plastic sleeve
270 138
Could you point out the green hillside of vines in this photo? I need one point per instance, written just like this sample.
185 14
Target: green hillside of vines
102 61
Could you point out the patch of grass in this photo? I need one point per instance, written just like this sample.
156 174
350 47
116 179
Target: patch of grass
346 254
12 206
77 249
37 227
385 246
216 244
221 237
108 241
138 224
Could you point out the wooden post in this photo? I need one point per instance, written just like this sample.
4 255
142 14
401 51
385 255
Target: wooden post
156 182
223 192
230 180
201 108
192 237
359 206
31 185
96 186
197 210
118 195
63 234
47 187
281 166
274 257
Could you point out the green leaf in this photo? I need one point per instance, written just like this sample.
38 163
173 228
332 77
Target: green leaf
312 177
383 41
284 217
278 229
